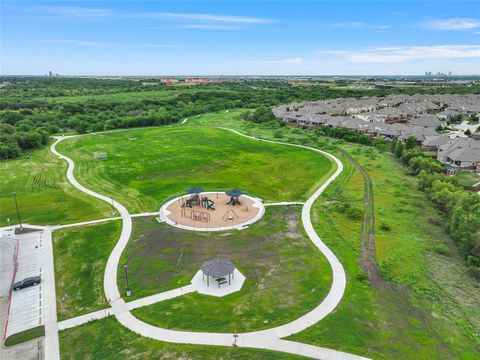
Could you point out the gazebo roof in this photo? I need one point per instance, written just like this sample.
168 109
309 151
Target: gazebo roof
234 192
195 190
217 268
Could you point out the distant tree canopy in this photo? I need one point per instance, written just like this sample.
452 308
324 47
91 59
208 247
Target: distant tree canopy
33 108
345 134
261 115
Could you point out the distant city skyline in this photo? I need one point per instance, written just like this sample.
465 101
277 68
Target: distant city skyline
239 38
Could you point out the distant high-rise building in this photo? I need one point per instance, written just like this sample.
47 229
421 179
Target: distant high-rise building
449 73
428 73
50 73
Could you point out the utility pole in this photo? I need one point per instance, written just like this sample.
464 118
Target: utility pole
125 267
18 212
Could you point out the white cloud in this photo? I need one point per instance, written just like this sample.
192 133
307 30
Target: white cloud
96 13
160 45
293 61
397 54
205 17
73 11
455 24
211 27
75 42
359 26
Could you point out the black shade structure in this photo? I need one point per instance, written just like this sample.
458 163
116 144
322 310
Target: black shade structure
218 269
195 190
234 192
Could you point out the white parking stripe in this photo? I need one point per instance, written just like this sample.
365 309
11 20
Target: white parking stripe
26 304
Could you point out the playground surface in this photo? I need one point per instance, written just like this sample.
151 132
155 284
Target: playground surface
220 216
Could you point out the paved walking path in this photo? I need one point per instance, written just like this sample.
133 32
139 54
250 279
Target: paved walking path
148 300
83 319
284 203
58 227
265 339
166 295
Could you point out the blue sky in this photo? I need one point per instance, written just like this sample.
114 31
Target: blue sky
239 37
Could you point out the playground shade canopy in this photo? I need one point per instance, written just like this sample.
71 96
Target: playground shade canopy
234 192
217 268
195 190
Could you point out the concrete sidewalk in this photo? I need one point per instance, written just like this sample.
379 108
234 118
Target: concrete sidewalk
284 203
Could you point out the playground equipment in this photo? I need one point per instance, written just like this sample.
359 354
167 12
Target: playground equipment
196 215
194 200
207 203
230 215
234 195
234 201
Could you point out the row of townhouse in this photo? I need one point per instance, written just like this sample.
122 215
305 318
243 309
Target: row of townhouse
396 116
392 108
462 152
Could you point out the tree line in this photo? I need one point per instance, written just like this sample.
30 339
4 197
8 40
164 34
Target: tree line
460 207
31 109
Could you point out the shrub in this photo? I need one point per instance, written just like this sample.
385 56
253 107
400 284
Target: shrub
385 227
278 134
442 249
354 213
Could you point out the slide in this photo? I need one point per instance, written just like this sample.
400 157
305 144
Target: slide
208 204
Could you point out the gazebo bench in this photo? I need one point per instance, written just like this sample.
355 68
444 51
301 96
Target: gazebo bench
222 282
223 278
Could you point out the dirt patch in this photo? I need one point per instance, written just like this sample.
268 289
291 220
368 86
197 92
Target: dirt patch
368 258
161 255
293 225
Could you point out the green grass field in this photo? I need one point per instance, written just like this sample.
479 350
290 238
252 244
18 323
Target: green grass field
147 166
269 254
25 336
468 178
44 196
431 308
106 339
417 315
80 255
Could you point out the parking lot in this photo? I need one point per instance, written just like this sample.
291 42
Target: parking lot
27 304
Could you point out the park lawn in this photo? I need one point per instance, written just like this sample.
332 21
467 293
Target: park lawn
145 167
270 131
106 339
418 314
44 195
286 275
80 257
430 309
